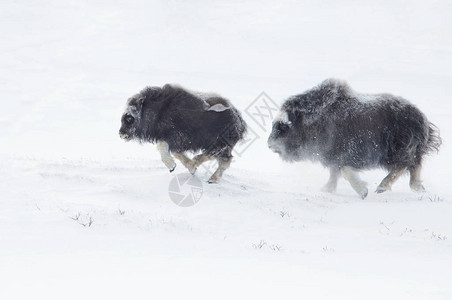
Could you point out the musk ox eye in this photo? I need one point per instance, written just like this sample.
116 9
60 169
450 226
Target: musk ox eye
282 127
129 119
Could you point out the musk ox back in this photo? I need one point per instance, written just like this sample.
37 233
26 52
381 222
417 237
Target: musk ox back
179 120
347 131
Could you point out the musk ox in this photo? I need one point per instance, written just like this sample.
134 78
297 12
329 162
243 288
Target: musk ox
179 120
348 132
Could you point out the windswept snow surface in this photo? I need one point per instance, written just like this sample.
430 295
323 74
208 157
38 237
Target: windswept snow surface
84 215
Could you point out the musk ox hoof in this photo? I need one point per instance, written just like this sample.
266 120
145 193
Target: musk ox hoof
418 187
213 180
328 189
363 193
191 167
381 189
172 168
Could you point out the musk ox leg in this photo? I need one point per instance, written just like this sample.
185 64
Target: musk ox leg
415 179
388 181
351 175
167 159
331 185
223 164
187 162
200 159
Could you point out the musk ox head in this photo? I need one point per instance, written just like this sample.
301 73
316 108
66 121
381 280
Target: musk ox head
130 120
139 117
299 130
139 120
284 138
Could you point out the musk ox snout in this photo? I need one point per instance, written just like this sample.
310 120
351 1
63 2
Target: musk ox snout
124 136
125 132
273 145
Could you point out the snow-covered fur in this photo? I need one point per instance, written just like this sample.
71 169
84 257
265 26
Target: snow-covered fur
185 120
338 127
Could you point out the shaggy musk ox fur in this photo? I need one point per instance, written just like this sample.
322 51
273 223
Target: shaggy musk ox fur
347 131
179 121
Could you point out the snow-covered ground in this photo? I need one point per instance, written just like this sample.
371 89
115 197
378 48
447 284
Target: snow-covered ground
85 215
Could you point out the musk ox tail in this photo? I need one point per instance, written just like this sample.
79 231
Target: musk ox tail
434 140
